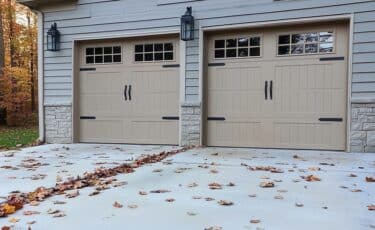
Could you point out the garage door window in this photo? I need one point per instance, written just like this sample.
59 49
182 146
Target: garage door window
103 55
241 47
153 52
306 43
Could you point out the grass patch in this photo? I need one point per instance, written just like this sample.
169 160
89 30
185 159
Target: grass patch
10 137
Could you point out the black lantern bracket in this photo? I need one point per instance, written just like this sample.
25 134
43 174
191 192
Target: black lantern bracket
53 38
187 25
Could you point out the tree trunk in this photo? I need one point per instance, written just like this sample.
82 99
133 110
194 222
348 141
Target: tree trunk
31 61
11 21
2 51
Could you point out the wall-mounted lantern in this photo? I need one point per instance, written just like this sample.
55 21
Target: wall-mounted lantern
53 38
187 25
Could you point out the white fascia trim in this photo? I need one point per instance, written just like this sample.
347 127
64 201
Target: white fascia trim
349 89
128 35
41 75
278 22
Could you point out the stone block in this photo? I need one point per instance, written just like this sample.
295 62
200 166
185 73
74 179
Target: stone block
371 138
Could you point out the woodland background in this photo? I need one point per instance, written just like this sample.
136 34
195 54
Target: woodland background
18 64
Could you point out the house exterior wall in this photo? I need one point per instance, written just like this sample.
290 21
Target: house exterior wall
100 18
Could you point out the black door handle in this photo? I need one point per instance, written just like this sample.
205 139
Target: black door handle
125 89
271 89
265 90
130 92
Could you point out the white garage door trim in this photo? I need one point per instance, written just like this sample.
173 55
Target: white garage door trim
75 68
202 67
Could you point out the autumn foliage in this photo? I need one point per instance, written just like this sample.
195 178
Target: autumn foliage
18 81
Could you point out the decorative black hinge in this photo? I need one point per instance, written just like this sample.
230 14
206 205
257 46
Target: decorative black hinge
332 59
171 118
216 64
87 117
335 119
216 118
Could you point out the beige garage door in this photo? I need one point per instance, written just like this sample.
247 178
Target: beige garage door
129 91
278 87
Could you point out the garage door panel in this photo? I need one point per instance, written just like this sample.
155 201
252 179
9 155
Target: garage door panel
129 98
234 89
227 133
305 87
308 135
155 93
149 132
101 131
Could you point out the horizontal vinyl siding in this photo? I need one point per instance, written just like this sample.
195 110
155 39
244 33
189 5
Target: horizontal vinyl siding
93 18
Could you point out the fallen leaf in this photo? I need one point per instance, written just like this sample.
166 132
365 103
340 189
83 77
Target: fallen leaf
209 199
29 213
252 195
299 205
225 202
197 197
170 200
279 197
31 222
72 195
142 193
370 179
311 178
160 191
52 211
34 203
371 207
213 228
214 171
59 202
157 170
314 169
267 184
117 205
13 220
215 185
191 213
8 209
59 214
192 185
356 190
352 175
132 206
255 221
282 191
231 184
94 193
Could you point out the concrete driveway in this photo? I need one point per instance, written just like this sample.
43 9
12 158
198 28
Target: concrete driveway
185 200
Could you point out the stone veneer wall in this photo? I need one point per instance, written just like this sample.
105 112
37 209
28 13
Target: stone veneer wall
190 124
363 128
58 124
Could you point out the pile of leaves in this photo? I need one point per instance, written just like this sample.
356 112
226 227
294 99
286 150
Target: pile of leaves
263 168
98 178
